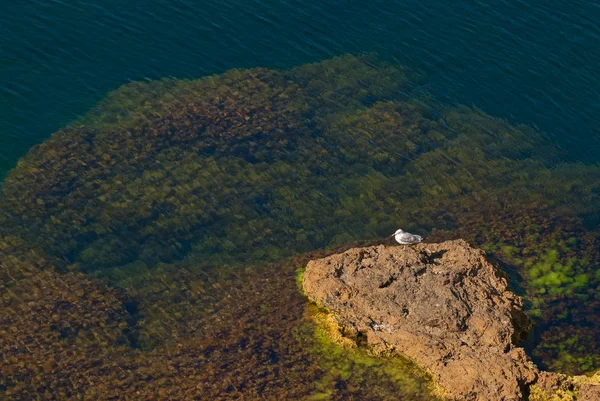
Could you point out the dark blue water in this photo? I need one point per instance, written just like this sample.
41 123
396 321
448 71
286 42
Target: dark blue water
532 62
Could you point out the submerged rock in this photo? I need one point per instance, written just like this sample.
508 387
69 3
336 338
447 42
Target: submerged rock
442 305
259 165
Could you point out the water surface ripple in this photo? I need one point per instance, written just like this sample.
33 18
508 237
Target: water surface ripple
531 62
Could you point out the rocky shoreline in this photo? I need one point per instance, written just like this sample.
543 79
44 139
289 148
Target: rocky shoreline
445 307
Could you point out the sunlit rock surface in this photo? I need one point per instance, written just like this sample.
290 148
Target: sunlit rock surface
442 305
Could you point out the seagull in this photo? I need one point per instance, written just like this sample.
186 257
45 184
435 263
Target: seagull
405 238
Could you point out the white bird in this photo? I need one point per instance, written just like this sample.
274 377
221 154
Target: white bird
405 238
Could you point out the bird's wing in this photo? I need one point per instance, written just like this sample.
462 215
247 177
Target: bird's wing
410 238
407 237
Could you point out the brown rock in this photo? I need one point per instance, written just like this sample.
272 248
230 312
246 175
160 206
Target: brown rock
589 392
551 382
589 387
442 305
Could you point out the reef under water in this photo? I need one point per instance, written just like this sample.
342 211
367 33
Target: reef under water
149 248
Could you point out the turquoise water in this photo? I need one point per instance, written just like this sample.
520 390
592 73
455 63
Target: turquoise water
531 62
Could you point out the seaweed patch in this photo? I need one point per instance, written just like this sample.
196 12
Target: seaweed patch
169 209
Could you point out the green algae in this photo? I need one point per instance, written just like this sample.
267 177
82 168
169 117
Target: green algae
344 362
300 278
550 276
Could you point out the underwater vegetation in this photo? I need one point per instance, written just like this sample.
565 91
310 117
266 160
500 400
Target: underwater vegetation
175 202
225 333
387 371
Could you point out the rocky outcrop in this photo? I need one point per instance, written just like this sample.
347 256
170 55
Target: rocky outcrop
559 387
442 305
